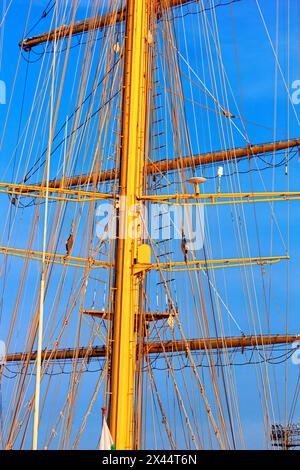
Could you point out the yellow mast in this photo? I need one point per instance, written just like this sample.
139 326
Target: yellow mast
134 125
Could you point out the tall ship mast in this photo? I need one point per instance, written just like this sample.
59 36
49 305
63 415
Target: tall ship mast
148 255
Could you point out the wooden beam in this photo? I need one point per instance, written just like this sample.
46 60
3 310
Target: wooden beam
85 180
80 27
158 348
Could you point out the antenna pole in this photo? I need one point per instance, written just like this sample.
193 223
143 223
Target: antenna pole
132 158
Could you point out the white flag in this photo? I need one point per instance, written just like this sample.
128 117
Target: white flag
106 441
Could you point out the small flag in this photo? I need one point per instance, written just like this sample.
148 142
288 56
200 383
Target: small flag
106 441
